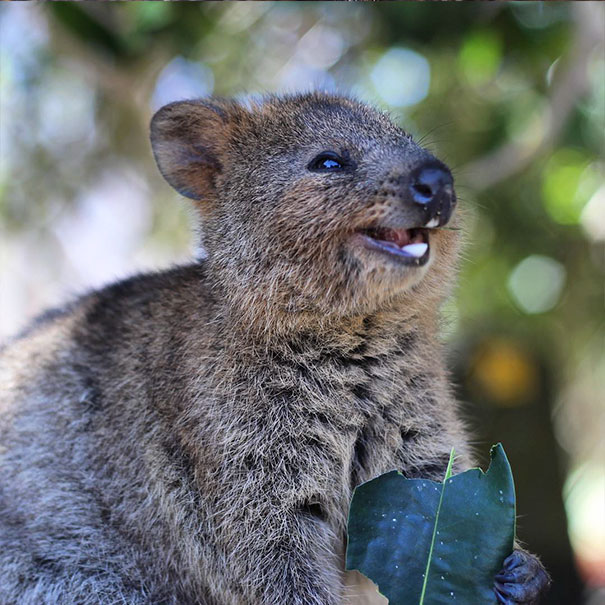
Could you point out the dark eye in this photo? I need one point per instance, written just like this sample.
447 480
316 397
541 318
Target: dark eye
327 161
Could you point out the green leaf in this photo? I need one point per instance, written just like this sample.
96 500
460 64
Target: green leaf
427 543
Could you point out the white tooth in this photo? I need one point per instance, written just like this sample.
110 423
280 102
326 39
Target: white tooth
415 250
432 223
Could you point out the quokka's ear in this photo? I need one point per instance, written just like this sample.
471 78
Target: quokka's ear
188 139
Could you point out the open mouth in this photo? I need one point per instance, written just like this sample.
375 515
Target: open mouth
407 246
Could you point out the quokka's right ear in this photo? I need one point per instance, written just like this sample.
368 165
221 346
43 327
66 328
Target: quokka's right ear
188 140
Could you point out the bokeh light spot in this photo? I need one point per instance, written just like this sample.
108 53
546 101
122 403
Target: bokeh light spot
504 373
584 500
593 216
401 77
65 88
150 15
536 283
539 15
182 79
321 47
480 57
562 195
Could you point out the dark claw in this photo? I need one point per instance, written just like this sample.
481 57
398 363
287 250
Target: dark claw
501 599
522 580
519 575
514 560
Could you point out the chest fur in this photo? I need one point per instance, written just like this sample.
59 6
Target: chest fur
359 409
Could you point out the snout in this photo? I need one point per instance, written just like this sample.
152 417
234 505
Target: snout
416 198
431 190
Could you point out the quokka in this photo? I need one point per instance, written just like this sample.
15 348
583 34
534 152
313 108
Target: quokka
193 437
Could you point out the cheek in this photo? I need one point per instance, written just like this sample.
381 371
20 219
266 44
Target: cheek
376 212
304 221
445 246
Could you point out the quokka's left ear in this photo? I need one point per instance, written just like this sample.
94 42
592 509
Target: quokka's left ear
189 139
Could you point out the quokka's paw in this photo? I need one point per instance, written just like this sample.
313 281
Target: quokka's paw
522 580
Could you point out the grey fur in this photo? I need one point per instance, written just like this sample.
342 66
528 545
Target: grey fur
193 436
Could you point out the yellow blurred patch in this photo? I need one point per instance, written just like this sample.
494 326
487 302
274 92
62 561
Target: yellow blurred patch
504 372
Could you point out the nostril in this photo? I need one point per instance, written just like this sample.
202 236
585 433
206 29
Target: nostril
428 183
424 191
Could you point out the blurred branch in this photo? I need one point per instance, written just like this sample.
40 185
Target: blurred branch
90 23
513 157
126 82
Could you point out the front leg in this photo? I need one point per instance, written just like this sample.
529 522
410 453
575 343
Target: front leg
522 580
274 523
274 552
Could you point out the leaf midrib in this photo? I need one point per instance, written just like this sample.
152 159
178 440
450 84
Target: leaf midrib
448 474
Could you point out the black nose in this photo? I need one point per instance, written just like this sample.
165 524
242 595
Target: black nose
432 188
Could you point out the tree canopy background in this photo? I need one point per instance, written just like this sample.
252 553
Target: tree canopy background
511 95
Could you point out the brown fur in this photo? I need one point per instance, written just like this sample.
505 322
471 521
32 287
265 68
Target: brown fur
194 436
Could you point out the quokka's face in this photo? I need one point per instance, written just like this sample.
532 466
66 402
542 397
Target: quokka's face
318 203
